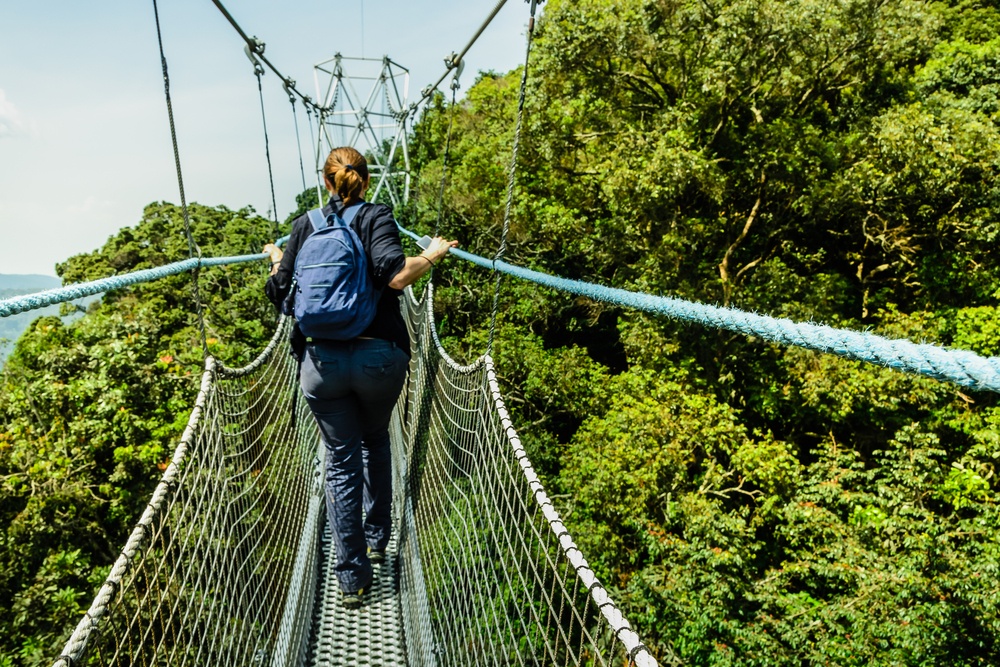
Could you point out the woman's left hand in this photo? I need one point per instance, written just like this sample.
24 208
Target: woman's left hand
276 255
274 251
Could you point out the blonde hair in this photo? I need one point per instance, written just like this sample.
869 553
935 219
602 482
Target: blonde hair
347 171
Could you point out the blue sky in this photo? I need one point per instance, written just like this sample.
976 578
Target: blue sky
84 137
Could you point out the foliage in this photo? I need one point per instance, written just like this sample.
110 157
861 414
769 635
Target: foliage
92 409
749 504
819 160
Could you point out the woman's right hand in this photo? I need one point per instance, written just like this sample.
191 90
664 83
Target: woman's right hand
438 248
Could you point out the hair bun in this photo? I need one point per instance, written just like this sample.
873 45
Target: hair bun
346 170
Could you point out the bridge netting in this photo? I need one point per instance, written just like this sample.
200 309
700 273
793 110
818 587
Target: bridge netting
216 570
224 566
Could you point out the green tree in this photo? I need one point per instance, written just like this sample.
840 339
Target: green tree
750 504
91 412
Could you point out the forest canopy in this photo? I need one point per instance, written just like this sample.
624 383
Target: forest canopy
747 504
819 160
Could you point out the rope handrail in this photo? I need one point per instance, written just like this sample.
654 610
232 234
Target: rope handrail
961 367
24 303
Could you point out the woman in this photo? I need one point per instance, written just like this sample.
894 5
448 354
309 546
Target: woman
352 386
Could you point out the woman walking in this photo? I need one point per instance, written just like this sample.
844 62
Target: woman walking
352 386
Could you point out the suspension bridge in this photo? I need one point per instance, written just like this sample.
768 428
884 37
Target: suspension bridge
230 563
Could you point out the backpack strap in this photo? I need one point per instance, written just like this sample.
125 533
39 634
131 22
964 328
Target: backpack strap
348 213
317 219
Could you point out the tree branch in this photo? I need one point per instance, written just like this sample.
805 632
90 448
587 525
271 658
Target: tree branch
724 264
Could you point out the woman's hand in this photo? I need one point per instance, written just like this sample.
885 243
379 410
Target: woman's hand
276 254
420 264
438 248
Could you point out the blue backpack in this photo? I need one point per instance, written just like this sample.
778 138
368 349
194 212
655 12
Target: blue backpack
333 294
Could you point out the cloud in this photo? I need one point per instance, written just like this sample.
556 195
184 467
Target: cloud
12 123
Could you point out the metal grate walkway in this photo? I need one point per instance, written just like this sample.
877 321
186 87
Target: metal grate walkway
371 636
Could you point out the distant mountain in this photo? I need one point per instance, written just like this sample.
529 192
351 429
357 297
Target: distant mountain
28 282
12 285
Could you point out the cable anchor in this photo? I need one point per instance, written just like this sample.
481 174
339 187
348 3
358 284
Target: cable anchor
253 48
402 114
459 68
256 45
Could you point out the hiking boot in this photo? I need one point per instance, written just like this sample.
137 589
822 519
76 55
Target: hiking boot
353 600
376 556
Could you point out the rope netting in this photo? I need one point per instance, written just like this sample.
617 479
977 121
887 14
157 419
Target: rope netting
489 575
223 566
220 569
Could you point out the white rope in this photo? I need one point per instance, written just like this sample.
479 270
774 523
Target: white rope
484 537
222 567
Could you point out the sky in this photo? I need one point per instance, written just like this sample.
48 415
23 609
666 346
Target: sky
84 134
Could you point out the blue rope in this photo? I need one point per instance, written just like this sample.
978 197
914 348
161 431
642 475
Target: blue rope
961 367
28 302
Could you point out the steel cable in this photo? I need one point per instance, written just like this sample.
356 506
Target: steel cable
258 48
444 159
512 171
192 247
298 141
259 72
316 157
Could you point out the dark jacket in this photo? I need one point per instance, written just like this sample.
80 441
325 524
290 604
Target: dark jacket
379 235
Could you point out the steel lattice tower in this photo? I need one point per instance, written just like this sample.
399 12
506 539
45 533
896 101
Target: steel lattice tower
364 105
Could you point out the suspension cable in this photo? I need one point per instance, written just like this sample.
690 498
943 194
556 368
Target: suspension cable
298 141
257 47
452 61
192 248
259 72
312 139
447 147
510 183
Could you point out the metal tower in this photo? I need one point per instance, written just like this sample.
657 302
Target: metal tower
366 108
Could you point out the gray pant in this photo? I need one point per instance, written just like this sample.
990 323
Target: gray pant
352 387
